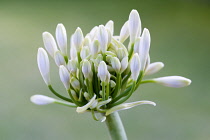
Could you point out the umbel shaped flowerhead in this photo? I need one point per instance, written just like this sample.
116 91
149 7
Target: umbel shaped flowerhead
101 71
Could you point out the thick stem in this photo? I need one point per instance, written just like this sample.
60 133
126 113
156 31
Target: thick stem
115 127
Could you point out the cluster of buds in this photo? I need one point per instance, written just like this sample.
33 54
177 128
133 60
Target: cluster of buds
102 70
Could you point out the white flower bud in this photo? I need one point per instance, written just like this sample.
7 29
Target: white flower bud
78 39
102 38
113 84
110 26
124 32
94 48
72 66
134 24
49 43
84 52
93 32
135 66
73 52
109 37
98 59
116 65
59 59
61 38
41 100
86 70
154 68
64 76
74 94
121 53
124 64
173 81
87 41
75 83
144 47
102 71
44 65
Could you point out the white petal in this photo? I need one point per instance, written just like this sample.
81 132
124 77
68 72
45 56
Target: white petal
116 65
128 106
85 107
124 63
43 65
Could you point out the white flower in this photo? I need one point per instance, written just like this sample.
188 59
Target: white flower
124 32
135 66
44 65
84 52
102 71
110 26
61 38
86 70
124 64
144 47
95 47
49 43
173 81
134 25
72 66
102 38
154 68
78 39
116 65
64 76
59 59
41 100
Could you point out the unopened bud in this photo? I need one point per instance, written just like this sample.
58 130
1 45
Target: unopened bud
110 26
116 65
75 83
135 66
124 32
59 59
134 24
78 39
44 65
86 70
84 52
61 38
173 81
49 43
102 71
154 68
42 100
103 38
64 76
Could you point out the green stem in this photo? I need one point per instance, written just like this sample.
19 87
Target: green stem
58 95
115 127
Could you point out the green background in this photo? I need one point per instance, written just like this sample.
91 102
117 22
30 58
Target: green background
180 32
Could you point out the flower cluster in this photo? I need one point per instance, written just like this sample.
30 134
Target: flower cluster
102 70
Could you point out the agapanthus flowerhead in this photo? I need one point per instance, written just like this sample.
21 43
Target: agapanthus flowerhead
102 70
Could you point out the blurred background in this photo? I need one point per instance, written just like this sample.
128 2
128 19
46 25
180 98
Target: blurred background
180 32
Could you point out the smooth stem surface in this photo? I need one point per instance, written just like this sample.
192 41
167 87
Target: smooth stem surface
115 127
